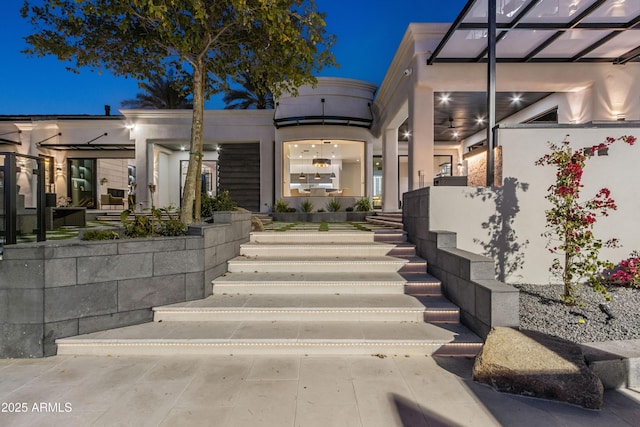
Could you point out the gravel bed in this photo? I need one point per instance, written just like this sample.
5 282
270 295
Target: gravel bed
541 309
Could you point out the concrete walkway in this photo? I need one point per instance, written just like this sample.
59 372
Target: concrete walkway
236 391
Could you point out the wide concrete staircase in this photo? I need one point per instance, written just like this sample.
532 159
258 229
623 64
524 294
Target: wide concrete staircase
386 219
348 292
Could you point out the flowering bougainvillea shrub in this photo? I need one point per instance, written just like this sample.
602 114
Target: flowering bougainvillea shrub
627 272
570 220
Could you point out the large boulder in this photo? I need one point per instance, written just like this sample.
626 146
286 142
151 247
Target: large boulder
535 364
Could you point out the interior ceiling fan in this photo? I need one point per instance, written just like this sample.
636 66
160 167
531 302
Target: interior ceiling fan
448 125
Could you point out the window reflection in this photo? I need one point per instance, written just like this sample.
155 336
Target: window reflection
323 168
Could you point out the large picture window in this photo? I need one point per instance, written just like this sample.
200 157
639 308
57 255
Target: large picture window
319 168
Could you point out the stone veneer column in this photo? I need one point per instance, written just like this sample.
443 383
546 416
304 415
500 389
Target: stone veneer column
421 142
390 170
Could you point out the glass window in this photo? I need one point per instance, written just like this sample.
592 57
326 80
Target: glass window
317 168
82 182
209 176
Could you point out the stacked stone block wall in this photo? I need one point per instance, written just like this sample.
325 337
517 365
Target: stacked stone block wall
54 290
468 279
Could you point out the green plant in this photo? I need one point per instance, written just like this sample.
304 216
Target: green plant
334 205
363 205
306 206
170 226
359 226
161 222
207 205
287 227
223 202
349 209
104 180
570 221
323 226
280 206
140 226
100 235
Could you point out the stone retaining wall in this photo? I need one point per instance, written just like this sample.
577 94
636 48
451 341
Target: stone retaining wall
468 279
51 290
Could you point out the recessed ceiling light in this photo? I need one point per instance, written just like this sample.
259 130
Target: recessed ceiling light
445 98
295 145
480 120
516 99
407 134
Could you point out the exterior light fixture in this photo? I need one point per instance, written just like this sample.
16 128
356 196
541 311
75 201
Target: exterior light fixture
302 176
317 176
621 117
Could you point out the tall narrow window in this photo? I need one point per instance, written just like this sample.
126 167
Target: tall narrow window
81 185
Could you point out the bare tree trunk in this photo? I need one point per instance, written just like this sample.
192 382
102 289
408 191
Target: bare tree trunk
190 196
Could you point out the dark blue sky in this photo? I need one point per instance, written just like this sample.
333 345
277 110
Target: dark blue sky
368 31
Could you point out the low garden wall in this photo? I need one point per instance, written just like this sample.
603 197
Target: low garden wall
468 279
51 290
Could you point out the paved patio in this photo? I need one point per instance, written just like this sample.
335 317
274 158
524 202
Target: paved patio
236 391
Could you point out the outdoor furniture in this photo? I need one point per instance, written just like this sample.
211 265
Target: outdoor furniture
69 216
113 197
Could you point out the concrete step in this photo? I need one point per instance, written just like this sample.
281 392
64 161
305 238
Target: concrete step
295 307
313 250
414 265
390 236
317 265
385 221
309 283
311 308
422 284
403 250
305 237
438 309
276 337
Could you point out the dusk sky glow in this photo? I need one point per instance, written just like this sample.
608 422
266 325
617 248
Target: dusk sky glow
368 31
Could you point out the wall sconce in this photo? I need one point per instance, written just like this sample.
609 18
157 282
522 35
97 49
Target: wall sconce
58 168
621 117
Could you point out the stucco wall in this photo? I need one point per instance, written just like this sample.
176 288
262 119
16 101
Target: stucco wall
506 222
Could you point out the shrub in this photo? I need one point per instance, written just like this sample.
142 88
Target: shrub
100 235
334 205
627 271
155 225
306 206
207 205
281 206
223 202
363 205
571 219
349 209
